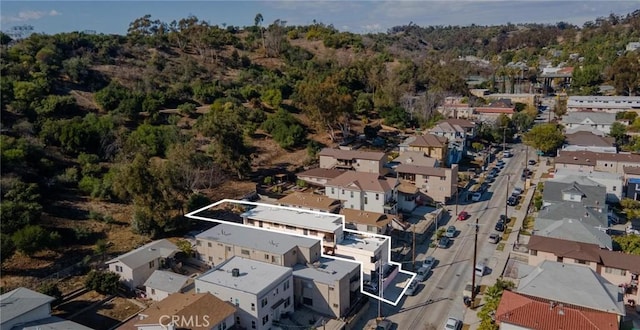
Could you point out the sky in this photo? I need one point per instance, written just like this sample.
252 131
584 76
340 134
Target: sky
363 16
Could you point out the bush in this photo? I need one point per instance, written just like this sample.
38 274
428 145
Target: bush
32 239
285 129
7 248
272 97
102 282
187 109
50 289
197 201
81 233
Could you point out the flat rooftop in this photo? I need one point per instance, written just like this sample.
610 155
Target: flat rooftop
255 276
252 237
362 243
326 270
296 218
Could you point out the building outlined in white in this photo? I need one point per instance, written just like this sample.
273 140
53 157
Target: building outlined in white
340 254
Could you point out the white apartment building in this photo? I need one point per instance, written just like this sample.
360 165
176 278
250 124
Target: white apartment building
610 104
261 292
364 191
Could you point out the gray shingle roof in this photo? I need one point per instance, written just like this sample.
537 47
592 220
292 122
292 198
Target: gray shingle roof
572 284
21 301
166 281
573 230
53 323
262 240
146 253
578 117
327 271
592 194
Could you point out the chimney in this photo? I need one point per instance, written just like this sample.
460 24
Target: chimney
235 272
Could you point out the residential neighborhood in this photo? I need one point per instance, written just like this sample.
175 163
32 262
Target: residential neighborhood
299 174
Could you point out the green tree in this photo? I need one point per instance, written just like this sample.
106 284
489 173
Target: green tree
102 282
272 97
101 248
32 239
77 69
522 121
631 208
619 132
627 243
7 248
20 205
196 201
285 129
50 289
545 137
185 247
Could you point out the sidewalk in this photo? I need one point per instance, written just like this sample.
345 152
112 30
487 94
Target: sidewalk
470 316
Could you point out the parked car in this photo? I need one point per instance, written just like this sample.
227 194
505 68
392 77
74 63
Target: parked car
507 154
499 227
444 242
480 269
451 232
422 273
466 292
504 219
453 324
370 287
429 262
494 238
412 288
476 197
384 325
512 201
517 191
532 162
463 216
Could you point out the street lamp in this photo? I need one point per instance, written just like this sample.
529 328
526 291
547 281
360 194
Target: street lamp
473 267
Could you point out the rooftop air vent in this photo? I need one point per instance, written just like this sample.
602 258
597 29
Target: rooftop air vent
235 272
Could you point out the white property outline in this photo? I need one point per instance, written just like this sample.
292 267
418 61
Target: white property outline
192 215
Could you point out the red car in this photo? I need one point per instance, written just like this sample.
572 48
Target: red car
463 215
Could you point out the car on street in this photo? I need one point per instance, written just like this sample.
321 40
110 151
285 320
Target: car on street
512 201
384 325
507 154
370 287
453 324
517 191
451 232
499 227
429 262
412 288
480 269
494 238
444 242
531 162
504 219
476 197
463 216
466 292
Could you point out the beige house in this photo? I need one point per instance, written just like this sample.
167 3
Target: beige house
588 161
619 268
364 191
309 201
195 311
432 145
439 184
326 286
360 161
136 266
225 241
364 221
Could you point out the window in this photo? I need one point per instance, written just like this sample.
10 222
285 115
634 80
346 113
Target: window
253 306
153 291
275 259
209 244
287 302
264 302
366 199
559 259
222 326
265 319
119 269
352 194
286 286
237 302
372 229
332 191
266 257
377 196
290 227
582 262
211 259
313 232
245 252
615 271
533 252
335 305
307 301
253 324
614 188
331 288
152 263
220 244
228 248
198 242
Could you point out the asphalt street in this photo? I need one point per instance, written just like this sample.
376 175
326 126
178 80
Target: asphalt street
440 295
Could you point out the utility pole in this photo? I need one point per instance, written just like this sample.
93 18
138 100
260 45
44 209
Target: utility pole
413 264
473 267
380 291
506 199
504 140
526 157
457 194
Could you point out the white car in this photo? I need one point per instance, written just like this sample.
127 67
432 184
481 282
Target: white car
453 324
429 262
476 197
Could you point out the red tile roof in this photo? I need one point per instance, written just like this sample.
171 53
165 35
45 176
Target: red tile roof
536 313
495 110
324 173
352 154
